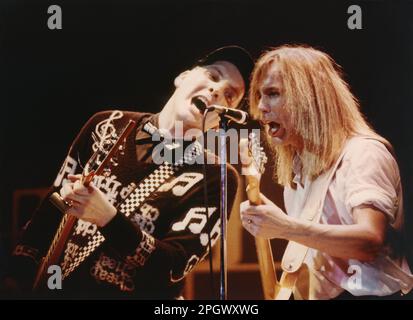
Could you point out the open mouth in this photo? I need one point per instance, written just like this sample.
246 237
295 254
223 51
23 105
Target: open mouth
200 102
274 129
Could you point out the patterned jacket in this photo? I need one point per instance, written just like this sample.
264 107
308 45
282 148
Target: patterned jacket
159 233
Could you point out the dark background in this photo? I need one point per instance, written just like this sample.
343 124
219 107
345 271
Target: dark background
125 54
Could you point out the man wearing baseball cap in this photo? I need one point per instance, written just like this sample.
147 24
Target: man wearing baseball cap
143 226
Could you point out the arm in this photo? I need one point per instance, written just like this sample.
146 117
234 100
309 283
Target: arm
362 240
369 181
41 228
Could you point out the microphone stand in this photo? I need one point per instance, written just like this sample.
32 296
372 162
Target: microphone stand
223 126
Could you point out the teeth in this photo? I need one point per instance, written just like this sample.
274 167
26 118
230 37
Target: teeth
274 127
203 100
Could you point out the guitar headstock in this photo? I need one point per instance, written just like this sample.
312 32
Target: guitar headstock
257 152
107 153
252 155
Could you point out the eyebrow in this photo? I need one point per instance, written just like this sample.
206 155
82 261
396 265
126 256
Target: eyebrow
270 86
216 68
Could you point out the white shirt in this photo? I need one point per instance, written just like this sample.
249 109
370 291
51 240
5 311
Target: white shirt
367 174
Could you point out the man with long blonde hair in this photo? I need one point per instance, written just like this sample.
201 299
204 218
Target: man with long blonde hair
342 188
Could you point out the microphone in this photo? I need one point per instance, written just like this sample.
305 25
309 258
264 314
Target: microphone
235 115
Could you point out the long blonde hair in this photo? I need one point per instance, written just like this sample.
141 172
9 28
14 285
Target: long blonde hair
323 111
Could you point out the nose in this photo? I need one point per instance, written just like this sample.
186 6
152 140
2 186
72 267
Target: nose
263 107
218 95
214 93
218 92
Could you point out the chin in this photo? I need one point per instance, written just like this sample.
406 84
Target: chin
276 141
191 123
186 117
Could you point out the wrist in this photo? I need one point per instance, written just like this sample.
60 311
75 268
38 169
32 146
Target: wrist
108 216
297 229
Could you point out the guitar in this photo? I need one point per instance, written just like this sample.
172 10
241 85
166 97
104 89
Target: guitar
253 161
94 167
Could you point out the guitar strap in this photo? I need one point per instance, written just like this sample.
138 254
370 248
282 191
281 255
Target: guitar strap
295 253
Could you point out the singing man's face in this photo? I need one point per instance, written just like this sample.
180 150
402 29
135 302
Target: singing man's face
273 114
219 83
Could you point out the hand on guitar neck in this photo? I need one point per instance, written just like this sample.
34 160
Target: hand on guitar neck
259 215
86 201
253 160
264 220
79 198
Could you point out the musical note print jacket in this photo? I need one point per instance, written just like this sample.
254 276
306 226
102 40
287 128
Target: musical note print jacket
160 231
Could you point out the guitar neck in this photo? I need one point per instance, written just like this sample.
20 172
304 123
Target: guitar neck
253 190
66 225
263 246
55 249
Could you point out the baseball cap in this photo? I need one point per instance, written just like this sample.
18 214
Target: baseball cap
236 55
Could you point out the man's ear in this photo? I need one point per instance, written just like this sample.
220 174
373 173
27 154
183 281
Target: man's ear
180 78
